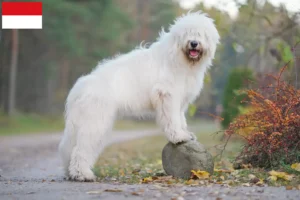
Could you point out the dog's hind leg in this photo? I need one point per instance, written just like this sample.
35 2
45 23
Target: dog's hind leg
95 121
66 145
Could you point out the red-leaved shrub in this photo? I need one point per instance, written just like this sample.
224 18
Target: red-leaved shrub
271 128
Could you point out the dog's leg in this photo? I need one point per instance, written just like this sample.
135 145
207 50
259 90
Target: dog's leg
94 123
66 145
184 125
168 115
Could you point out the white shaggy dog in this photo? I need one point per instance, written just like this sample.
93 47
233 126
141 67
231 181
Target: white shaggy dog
163 79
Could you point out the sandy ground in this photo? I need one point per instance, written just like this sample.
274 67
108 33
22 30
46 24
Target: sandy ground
30 169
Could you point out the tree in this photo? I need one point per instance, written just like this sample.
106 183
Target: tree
233 99
13 72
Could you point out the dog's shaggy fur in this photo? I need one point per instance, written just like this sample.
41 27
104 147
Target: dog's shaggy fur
162 79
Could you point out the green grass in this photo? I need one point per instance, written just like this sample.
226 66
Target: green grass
33 123
30 123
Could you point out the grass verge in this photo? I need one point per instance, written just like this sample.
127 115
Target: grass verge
34 123
29 123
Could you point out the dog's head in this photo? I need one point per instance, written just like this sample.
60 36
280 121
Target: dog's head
195 36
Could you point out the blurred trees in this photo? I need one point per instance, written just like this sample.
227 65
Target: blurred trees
77 34
260 38
234 96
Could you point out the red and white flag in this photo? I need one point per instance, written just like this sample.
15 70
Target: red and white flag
22 15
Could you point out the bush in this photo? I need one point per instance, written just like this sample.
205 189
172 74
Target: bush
233 96
273 125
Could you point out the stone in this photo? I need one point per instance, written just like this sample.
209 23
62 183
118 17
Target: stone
179 159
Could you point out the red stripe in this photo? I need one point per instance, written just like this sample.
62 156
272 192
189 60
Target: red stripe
21 8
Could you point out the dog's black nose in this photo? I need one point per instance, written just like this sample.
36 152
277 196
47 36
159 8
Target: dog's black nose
194 44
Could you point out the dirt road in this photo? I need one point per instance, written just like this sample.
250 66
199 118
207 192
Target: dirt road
30 169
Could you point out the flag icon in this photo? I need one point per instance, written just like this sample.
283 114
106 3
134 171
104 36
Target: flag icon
22 15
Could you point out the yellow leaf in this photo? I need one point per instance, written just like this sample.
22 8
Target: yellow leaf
200 174
272 178
147 180
260 182
121 172
222 178
191 182
281 175
223 170
246 184
296 166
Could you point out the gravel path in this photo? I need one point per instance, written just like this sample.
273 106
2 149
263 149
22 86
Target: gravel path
30 169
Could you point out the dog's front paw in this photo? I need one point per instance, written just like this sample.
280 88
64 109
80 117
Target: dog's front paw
179 137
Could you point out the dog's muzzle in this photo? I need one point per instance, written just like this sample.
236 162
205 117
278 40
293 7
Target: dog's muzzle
195 50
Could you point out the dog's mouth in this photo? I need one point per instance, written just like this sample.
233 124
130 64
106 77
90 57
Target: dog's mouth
195 53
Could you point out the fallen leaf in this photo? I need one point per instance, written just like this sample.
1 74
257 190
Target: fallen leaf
191 182
135 193
296 166
113 190
147 180
94 192
246 184
223 170
251 176
200 174
281 175
164 179
222 178
272 178
288 187
260 182
121 172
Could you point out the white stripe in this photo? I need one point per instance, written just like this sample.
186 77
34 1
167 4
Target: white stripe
22 22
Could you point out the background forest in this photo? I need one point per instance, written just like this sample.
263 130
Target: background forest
38 67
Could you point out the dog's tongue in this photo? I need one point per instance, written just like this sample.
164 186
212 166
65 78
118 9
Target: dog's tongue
193 53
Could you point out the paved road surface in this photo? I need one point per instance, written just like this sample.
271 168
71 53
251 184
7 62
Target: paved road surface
30 169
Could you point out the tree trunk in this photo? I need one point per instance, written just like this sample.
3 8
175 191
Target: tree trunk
13 72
